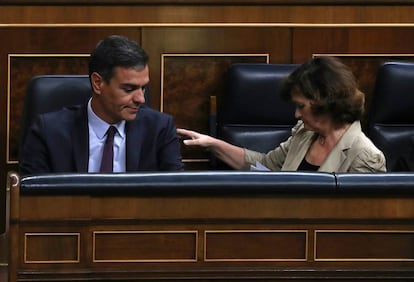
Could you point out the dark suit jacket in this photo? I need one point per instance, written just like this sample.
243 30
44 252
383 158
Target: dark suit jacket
58 142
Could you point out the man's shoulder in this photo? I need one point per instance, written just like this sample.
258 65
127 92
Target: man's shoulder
147 112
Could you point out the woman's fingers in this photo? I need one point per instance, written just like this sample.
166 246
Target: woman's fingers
184 132
192 138
192 135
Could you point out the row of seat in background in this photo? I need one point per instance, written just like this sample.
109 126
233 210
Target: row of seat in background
251 113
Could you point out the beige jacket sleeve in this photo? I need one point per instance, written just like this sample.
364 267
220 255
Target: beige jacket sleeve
354 153
274 159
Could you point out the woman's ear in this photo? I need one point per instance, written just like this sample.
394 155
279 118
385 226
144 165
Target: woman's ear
96 82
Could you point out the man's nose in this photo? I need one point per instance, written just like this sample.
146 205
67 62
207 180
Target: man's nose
139 96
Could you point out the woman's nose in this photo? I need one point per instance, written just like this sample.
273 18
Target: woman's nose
297 114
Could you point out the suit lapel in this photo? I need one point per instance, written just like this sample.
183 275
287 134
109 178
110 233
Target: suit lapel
80 140
134 138
335 158
339 153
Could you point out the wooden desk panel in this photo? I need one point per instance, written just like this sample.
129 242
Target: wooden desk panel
304 236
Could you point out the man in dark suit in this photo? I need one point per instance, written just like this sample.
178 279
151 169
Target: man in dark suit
72 139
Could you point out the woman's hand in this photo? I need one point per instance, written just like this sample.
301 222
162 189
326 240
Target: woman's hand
195 138
230 154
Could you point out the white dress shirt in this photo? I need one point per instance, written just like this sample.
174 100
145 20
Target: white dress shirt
97 130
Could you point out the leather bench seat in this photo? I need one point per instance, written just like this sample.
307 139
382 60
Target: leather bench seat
375 182
209 182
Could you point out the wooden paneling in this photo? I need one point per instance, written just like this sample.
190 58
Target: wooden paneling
22 68
206 14
51 248
208 2
2 221
289 31
352 44
176 52
283 208
255 245
145 246
158 41
187 89
360 245
34 51
362 49
263 236
351 40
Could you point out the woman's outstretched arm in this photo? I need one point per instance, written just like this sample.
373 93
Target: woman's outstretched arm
228 153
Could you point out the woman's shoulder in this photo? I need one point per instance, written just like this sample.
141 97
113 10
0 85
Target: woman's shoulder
366 155
363 143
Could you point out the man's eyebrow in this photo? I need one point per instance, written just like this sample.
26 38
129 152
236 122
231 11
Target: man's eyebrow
133 87
130 86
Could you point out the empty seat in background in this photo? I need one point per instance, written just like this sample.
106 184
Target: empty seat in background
47 93
391 116
251 113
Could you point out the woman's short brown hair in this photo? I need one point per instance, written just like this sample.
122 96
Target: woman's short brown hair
330 85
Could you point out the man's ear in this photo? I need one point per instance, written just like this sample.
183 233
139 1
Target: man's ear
97 82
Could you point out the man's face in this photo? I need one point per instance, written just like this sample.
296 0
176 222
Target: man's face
122 97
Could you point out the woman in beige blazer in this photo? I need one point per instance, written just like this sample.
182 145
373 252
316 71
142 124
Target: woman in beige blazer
328 135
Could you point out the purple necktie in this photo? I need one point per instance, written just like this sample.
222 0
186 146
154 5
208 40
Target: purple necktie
108 151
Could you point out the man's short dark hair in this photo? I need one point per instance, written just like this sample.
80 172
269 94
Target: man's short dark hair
116 51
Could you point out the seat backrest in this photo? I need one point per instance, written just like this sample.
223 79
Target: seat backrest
251 113
391 115
47 93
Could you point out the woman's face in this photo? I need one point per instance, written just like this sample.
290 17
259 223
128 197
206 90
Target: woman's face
304 112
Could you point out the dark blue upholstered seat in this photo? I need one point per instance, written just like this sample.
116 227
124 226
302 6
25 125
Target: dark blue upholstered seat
391 116
251 113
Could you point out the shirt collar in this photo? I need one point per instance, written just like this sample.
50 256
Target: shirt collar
100 126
